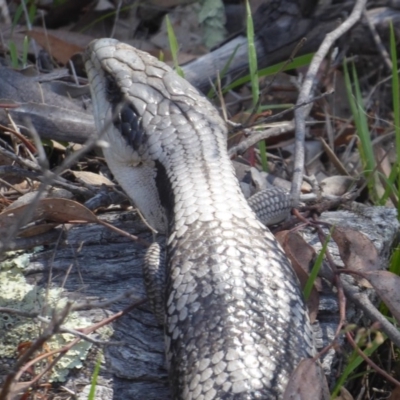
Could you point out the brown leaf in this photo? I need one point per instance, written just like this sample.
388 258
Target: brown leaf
36 229
60 49
395 395
307 382
8 219
51 209
302 255
387 287
64 210
356 251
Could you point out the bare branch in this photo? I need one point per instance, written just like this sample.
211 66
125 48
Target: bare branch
256 136
307 90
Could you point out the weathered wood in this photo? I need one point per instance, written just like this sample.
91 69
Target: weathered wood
54 116
98 264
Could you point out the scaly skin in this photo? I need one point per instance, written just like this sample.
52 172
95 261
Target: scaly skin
236 325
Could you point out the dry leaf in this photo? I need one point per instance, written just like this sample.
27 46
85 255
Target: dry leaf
51 209
302 255
63 210
386 285
307 382
356 251
36 229
91 178
60 49
395 395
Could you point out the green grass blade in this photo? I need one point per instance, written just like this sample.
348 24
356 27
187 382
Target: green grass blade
173 45
25 52
316 267
350 95
32 12
255 87
390 186
13 54
263 154
17 16
298 62
354 361
363 133
396 106
395 262
361 123
93 384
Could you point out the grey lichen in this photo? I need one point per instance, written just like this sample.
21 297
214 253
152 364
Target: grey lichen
18 294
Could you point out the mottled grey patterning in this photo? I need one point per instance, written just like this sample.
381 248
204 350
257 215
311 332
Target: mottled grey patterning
236 324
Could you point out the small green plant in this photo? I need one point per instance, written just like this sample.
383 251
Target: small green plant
300 61
17 16
25 52
362 129
370 166
32 12
395 262
255 87
396 112
30 6
13 54
173 45
15 63
394 265
93 384
355 360
394 176
392 183
316 267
